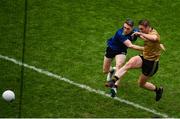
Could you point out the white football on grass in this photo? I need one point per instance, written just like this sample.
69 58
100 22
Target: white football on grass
8 95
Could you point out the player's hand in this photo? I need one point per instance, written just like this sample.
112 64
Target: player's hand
136 34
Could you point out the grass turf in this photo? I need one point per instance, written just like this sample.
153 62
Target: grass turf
69 38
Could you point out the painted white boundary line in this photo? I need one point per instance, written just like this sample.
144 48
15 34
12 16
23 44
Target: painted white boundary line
42 71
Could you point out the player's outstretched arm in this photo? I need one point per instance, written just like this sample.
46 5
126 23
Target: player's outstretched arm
132 46
143 36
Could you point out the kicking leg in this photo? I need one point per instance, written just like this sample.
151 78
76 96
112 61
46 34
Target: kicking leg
134 62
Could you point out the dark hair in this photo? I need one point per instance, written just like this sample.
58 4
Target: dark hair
144 23
129 22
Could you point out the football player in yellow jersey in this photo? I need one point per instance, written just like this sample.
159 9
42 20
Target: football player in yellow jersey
148 61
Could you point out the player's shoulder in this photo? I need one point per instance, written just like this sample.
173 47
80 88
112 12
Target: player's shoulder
154 31
120 31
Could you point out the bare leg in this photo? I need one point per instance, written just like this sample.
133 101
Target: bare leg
134 62
149 86
120 60
106 65
144 84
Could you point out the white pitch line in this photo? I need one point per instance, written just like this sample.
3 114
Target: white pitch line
42 71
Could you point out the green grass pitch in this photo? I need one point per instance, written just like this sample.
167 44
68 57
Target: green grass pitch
68 38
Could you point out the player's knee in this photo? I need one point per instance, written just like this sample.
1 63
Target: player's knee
128 65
